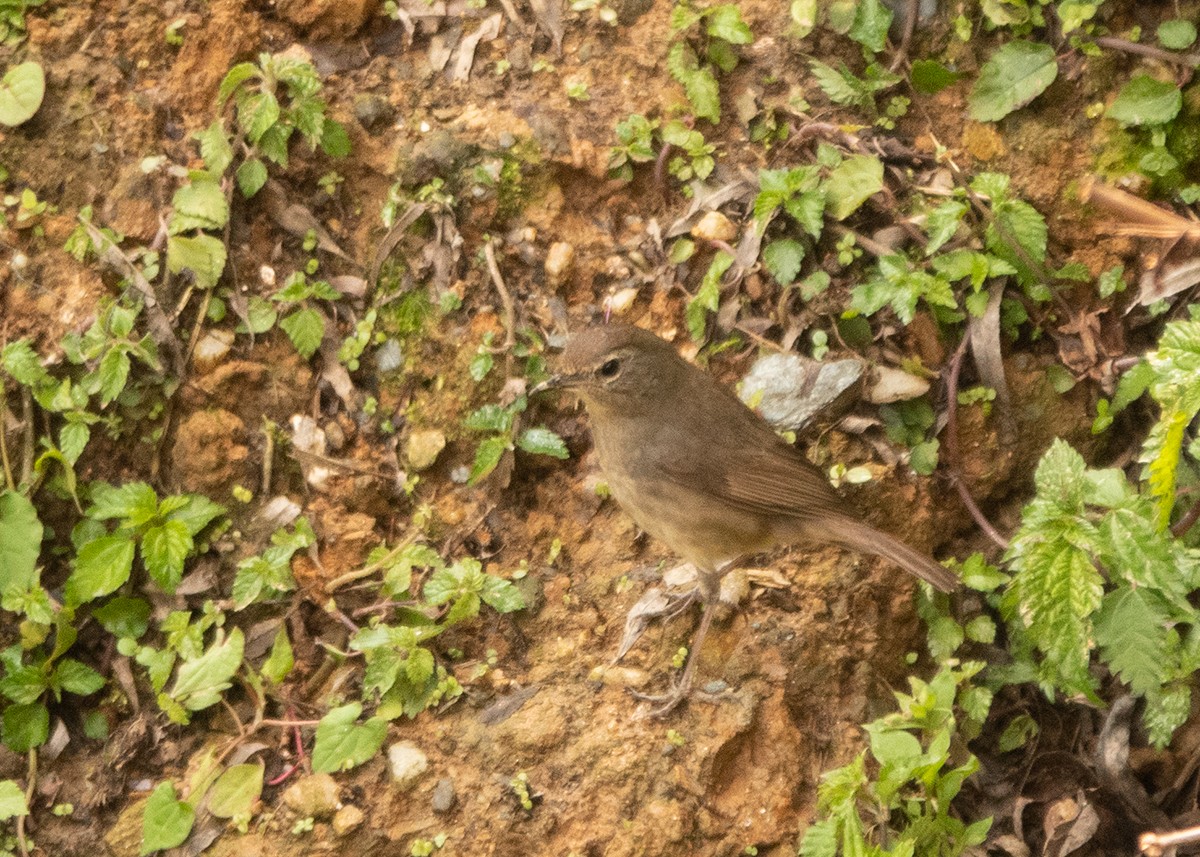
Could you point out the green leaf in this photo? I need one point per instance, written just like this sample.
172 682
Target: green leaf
24 685
257 112
166 822
260 315
101 567
199 204
1130 629
1015 75
281 660
164 548
942 223
113 373
540 440
77 678
201 681
501 595
236 791
195 513
335 142
21 92
1146 101
12 800
214 148
25 726
491 418
1165 712
708 295
852 183
251 176
931 77
133 501
487 457
1177 35
342 744
21 362
698 83
871 23
20 543
782 259
306 328
725 22
234 78
203 255
124 617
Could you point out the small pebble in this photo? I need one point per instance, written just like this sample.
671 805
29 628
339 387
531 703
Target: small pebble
347 819
444 797
559 260
389 357
714 226
407 763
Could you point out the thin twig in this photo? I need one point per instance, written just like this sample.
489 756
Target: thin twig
506 301
1186 522
912 10
952 449
1185 60
8 476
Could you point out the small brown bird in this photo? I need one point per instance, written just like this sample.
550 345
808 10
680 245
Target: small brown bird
701 472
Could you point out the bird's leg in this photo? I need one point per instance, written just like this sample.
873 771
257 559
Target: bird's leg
682 688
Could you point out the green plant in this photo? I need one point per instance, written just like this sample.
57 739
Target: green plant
1097 568
21 89
504 434
894 799
705 43
12 19
272 99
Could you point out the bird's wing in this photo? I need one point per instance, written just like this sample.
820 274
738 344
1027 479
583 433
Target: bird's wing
772 480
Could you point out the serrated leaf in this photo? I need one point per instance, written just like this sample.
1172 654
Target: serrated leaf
251 176
22 363
1146 101
203 255
164 548
201 681
195 512
871 23
942 223
113 373
783 259
335 142
257 112
501 595
20 543
124 617
101 567
487 457
342 744
852 183
540 440
490 417
199 204
1015 75
305 328
77 678
166 821
132 501
1130 631
24 727
214 148
725 22
930 77
234 78
21 92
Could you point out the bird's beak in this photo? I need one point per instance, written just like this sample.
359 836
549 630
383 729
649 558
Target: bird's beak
562 381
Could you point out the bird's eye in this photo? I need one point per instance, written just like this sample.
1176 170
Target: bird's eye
610 368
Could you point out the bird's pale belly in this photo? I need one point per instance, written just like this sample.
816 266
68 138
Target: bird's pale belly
688 523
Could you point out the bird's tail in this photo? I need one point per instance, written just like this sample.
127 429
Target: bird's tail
866 539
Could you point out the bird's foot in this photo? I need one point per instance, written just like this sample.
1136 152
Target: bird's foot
665 703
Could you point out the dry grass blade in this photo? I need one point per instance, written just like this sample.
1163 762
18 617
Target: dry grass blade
1137 216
